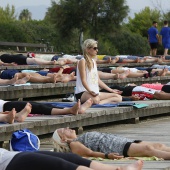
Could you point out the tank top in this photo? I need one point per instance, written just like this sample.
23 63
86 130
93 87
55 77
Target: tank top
91 78
103 142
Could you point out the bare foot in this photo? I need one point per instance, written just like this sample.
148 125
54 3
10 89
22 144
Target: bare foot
68 77
13 80
115 60
135 166
56 78
161 59
20 116
124 75
163 72
117 76
109 60
23 80
75 109
9 118
85 106
141 60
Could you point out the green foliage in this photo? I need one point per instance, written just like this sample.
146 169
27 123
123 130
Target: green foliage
106 47
130 43
7 14
98 19
28 31
25 15
143 21
11 32
97 16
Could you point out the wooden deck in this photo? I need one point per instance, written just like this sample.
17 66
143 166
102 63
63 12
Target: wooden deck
51 89
47 124
156 130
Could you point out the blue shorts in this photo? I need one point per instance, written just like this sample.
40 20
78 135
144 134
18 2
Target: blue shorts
113 57
55 58
42 73
8 74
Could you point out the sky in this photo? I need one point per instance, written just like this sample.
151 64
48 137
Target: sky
134 5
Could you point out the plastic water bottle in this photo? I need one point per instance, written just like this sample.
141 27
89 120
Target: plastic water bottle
75 95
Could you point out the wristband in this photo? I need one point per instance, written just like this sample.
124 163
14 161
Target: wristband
106 155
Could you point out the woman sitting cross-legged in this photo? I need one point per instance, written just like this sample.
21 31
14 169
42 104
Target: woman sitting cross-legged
105 145
88 81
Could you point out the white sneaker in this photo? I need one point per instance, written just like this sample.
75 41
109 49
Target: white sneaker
69 98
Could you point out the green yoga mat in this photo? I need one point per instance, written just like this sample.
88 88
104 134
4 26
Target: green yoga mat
140 105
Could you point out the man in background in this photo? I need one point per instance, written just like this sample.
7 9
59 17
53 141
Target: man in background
153 38
165 37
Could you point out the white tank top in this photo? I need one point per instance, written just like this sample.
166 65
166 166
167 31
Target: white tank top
91 78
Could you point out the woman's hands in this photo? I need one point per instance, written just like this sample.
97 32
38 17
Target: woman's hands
114 156
116 91
93 93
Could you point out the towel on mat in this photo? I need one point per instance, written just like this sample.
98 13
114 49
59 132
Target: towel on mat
153 158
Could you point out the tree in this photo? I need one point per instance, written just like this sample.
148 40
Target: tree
25 15
97 16
130 43
7 14
143 20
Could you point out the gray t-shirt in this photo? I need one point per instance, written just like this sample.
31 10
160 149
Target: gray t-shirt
103 142
5 157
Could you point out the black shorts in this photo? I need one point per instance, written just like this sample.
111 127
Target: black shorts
166 88
154 45
106 70
78 95
37 108
18 59
126 148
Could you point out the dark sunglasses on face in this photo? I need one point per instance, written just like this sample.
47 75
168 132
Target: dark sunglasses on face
95 48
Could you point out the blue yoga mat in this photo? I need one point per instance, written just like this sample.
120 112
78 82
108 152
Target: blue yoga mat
63 105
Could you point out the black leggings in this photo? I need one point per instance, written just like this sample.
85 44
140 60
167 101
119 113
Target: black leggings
37 108
18 59
44 160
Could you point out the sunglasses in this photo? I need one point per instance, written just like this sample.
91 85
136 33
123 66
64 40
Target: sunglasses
95 48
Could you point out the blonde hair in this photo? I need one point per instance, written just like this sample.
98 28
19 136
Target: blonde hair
89 43
58 145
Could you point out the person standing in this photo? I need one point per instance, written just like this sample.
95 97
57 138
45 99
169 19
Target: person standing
165 37
153 38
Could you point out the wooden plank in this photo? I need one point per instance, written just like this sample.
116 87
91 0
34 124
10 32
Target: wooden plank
47 124
20 44
50 89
